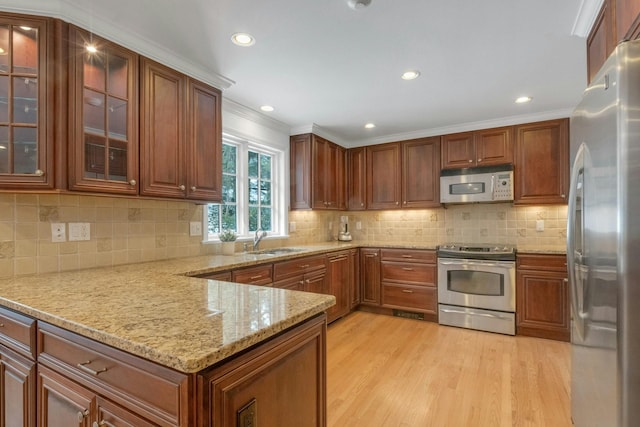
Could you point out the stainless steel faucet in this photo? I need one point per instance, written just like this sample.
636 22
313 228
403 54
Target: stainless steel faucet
260 234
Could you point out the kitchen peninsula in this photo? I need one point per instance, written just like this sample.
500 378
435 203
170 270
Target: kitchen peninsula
147 344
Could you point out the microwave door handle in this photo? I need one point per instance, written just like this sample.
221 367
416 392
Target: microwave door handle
452 262
493 186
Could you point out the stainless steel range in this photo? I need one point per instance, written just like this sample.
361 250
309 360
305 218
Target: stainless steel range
476 287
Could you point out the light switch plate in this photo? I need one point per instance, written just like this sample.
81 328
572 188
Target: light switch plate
540 225
58 232
292 227
195 228
79 231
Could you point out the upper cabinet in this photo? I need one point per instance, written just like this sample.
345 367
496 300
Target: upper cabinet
618 20
103 93
27 84
542 162
403 174
486 147
317 170
356 179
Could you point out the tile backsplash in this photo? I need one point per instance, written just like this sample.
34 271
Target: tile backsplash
125 231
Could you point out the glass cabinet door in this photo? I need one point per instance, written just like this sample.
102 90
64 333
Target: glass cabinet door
105 143
24 138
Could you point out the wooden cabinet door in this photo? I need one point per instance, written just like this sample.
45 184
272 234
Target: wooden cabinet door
542 304
458 150
356 179
542 162
421 173
61 402
627 19
17 390
335 176
601 39
316 282
110 414
204 161
494 146
354 277
338 278
370 276
300 171
320 156
27 111
384 179
162 141
103 94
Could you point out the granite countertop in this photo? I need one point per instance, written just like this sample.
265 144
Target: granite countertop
542 250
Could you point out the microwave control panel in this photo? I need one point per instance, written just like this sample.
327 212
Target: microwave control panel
503 186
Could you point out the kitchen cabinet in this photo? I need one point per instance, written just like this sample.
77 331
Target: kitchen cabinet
220 275
627 19
272 385
103 113
339 278
81 382
301 274
408 279
541 167
403 174
180 136
28 121
542 296
354 279
602 38
370 276
317 170
487 147
17 369
260 275
356 179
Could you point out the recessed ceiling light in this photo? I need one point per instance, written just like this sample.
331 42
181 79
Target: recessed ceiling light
91 48
358 4
523 99
370 125
243 39
410 75
267 108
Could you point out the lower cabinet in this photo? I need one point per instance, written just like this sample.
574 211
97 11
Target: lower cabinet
17 389
339 281
370 276
542 297
354 279
281 383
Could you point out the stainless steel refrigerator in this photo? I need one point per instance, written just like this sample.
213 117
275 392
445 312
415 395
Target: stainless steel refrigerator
603 246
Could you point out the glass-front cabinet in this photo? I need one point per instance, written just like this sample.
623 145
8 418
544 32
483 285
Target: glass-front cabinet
26 85
103 89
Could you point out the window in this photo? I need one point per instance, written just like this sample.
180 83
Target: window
252 191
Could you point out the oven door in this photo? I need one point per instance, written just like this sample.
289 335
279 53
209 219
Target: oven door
476 283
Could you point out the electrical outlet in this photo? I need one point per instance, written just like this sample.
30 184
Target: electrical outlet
358 225
58 232
79 231
344 219
195 228
292 227
540 225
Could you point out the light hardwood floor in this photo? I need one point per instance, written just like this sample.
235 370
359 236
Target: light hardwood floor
388 371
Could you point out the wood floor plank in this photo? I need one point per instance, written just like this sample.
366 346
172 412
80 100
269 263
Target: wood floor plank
387 371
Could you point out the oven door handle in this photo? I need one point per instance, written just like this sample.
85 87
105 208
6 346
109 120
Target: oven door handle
479 263
494 316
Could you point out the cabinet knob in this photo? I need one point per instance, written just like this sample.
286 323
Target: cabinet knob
81 415
470 160
361 204
397 203
405 202
182 187
98 424
193 188
132 182
39 172
479 160
562 195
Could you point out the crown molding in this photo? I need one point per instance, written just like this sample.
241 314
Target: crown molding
254 116
586 17
464 127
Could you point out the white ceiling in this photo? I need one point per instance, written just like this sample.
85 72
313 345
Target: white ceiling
320 62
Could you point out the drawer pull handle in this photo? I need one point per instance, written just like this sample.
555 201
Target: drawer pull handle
407 256
1 325
83 366
98 424
82 414
255 277
407 291
407 269
304 266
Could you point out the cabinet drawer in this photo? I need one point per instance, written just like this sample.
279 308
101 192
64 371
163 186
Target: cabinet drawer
416 297
18 332
298 266
150 390
407 273
221 275
260 275
409 255
541 262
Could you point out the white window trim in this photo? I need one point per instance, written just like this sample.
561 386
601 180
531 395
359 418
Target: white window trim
279 217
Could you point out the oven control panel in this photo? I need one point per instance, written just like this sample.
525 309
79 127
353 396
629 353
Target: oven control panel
503 186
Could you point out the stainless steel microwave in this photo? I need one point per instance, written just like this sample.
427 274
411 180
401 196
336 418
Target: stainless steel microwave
475 185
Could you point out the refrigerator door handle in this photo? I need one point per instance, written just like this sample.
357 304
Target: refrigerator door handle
576 283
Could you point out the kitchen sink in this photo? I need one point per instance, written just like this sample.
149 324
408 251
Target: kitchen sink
276 251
